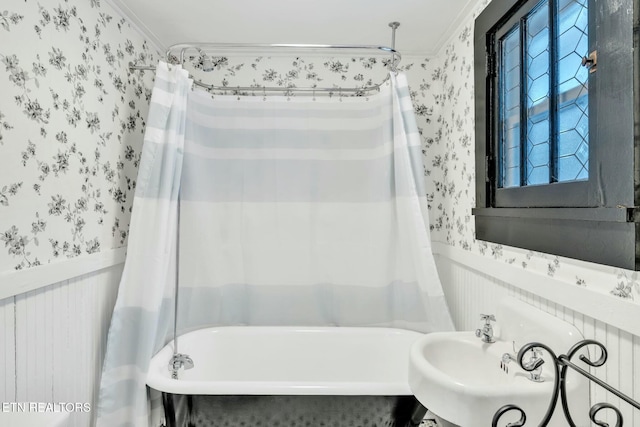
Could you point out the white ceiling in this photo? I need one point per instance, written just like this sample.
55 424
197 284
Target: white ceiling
425 25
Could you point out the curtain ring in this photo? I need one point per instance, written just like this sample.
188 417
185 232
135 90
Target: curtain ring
340 93
264 93
314 95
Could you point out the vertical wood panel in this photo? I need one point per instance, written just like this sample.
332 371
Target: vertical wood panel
21 349
7 355
600 395
55 348
37 348
625 375
613 367
49 361
59 339
78 291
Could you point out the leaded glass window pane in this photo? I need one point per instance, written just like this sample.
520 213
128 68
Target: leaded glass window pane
548 99
510 109
537 101
572 89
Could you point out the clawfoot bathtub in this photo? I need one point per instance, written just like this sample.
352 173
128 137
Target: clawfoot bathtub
289 377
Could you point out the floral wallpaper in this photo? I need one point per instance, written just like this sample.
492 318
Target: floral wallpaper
71 123
72 117
293 71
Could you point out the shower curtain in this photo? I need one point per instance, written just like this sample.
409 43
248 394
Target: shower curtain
293 211
142 313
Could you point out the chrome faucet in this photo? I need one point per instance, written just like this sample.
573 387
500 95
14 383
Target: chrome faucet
178 361
533 365
486 333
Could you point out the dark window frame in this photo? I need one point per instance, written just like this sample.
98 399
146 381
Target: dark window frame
595 220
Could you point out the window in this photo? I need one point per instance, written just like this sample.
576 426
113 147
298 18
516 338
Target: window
554 146
556 90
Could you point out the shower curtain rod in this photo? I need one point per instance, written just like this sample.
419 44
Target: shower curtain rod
176 54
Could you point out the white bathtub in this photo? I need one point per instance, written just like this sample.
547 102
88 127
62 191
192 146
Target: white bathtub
247 360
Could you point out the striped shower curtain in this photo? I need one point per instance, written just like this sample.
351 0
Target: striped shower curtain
142 313
306 212
295 211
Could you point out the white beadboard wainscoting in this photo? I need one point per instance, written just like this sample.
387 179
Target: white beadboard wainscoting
53 338
471 290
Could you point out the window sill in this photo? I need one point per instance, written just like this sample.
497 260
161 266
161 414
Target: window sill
601 235
617 214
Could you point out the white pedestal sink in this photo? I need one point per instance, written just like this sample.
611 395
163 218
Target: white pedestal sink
460 378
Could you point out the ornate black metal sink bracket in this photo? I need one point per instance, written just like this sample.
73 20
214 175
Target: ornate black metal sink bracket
562 363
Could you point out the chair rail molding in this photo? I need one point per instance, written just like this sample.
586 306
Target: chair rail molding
600 305
21 281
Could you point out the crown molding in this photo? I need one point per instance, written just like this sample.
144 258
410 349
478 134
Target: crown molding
121 9
463 19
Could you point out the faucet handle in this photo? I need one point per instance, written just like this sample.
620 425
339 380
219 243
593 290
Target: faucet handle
486 333
180 360
535 360
534 365
188 362
488 318
508 357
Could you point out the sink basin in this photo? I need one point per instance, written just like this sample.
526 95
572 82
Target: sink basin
460 378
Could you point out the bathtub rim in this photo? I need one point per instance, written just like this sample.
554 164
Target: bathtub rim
164 383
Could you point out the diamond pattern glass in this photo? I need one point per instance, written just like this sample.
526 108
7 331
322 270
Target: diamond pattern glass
537 101
572 89
555 146
510 109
